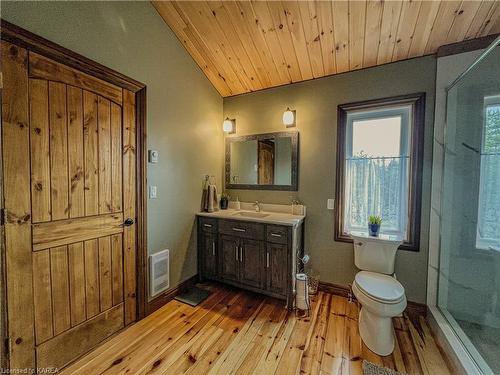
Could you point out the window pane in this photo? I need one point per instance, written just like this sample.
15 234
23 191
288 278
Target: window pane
377 171
376 137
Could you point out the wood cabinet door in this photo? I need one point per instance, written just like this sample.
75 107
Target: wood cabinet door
276 268
69 180
208 255
229 257
251 269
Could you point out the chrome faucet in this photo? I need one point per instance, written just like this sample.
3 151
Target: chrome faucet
257 206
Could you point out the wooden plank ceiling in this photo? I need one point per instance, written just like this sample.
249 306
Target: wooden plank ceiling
245 46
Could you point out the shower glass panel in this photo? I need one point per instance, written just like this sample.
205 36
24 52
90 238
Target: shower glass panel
469 283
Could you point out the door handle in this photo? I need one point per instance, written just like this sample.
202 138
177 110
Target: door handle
207 225
275 234
236 252
128 222
213 248
239 230
267 260
241 253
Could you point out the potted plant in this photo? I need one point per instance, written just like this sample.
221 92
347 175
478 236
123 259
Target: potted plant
374 223
224 201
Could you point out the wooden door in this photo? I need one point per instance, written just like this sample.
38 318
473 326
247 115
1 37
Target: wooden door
251 262
229 257
209 254
69 184
266 163
276 267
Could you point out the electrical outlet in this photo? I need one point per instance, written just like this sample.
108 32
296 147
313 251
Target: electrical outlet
153 156
330 204
152 192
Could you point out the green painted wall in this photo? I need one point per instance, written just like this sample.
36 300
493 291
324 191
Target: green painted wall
316 103
184 111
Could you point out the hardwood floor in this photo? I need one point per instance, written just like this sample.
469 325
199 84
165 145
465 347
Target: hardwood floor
245 333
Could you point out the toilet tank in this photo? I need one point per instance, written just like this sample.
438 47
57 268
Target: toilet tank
375 254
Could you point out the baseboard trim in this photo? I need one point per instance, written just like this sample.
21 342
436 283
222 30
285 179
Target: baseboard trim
412 308
169 295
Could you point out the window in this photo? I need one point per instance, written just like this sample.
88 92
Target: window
379 167
488 223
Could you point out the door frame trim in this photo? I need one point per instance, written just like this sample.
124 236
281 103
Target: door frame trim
23 38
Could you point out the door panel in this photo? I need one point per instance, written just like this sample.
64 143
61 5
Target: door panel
68 142
209 255
229 249
91 155
40 151
276 254
75 156
251 262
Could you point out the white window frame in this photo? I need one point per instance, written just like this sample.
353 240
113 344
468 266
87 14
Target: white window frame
492 244
405 113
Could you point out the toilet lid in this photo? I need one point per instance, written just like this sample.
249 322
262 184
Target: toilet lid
379 286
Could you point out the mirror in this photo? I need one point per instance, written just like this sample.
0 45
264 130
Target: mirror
262 161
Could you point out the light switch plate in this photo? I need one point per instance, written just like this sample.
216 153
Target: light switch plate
152 192
330 204
153 156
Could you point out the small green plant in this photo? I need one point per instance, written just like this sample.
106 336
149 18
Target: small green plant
375 220
225 195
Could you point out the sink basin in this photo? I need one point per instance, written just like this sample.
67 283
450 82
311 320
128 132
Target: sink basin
251 214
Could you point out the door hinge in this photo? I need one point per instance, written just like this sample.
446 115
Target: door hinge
1 80
2 217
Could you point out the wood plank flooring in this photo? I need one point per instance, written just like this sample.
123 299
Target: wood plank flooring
234 331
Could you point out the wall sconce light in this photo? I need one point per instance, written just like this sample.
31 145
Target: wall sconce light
289 118
229 125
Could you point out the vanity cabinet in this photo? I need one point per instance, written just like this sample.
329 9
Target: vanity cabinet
256 256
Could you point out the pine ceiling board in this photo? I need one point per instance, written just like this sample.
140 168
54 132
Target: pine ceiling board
372 32
296 28
479 19
179 27
357 22
202 31
407 23
388 30
425 21
264 22
340 11
224 22
280 24
309 16
243 46
462 21
442 25
246 15
238 21
325 24
492 23
207 22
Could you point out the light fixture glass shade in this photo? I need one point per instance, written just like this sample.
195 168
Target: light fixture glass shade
228 125
289 118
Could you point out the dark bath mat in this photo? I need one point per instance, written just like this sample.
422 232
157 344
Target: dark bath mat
193 296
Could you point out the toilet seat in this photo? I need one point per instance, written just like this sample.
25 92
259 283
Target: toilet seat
379 287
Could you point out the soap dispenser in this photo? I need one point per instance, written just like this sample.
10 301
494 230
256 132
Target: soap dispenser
237 205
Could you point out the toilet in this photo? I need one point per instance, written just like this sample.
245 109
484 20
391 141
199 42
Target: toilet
381 296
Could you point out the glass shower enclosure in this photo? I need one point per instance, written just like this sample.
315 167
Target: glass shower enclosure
469 260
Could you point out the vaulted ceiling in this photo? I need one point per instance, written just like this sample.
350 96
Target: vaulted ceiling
245 46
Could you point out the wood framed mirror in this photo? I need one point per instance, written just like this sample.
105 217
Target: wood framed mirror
262 161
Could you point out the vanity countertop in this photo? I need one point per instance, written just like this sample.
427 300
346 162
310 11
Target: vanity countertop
267 217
